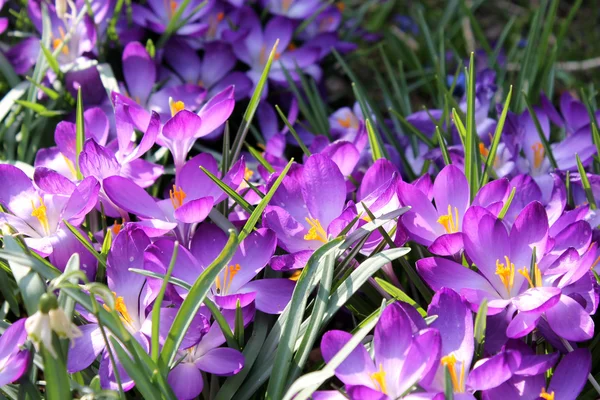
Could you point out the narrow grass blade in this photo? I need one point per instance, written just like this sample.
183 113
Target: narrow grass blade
491 157
80 132
479 327
442 144
293 131
258 210
193 301
86 244
55 373
252 106
230 192
256 154
585 182
507 204
142 383
399 295
538 127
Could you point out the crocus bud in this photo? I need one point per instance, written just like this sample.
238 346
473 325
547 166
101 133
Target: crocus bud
48 318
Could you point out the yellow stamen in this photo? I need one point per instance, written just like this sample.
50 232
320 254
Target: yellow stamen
340 6
116 228
537 276
173 6
176 106
506 272
70 166
292 47
57 42
378 379
40 214
121 309
177 197
538 154
248 173
316 231
458 381
545 395
448 221
345 122
220 16
482 150
366 218
230 273
295 275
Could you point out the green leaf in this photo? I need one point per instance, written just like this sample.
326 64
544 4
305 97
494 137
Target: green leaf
80 132
101 259
304 387
190 306
259 157
398 294
292 131
239 325
258 210
585 182
155 348
507 204
479 327
442 143
313 270
142 383
376 149
52 62
6 289
221 321
64 301
471 150
448 387
491 157
30 284
230 192
49 92
55 373
252 106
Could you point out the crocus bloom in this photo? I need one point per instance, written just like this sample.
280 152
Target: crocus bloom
441 227
568 379
157 15
14 361
503 260
38 212
236 282
48 319
296 9
402 357
307 209
186 379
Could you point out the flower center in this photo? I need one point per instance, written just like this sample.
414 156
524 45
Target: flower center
378 379
116 228
448 221
345 122
458 382
316 231
121 308
230 273
545 395
56 42
506 272
176 106
262 56
40 214
70 165
340 6
538 154
173 6
177 197
537 276
248 173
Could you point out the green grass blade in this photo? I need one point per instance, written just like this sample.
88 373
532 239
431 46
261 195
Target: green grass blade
193 301
538 127
442 143
491 157
471 167
258 210
507 204
142 383
479 327
399 295
256 154
293 131
230 192
86 244
252 106
585 182
155 348
80 132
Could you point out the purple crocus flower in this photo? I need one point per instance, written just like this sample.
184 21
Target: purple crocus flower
295 9
157 15
503 261
236 282
37 212
404 352
455 323
255 49
568 379
214 72
441 227
14 361
140 74
62 158
307 209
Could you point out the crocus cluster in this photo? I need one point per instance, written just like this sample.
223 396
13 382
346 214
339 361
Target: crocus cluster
502 267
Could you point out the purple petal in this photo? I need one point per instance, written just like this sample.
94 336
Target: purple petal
131 198
85 349
523 324
357 368
570 321
216 111
272 295
447 245
323 189
424 347
12 338
139 70
529 230
52 182
221 361
493 371
570 375
451 189
186 381
194 211
537 299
